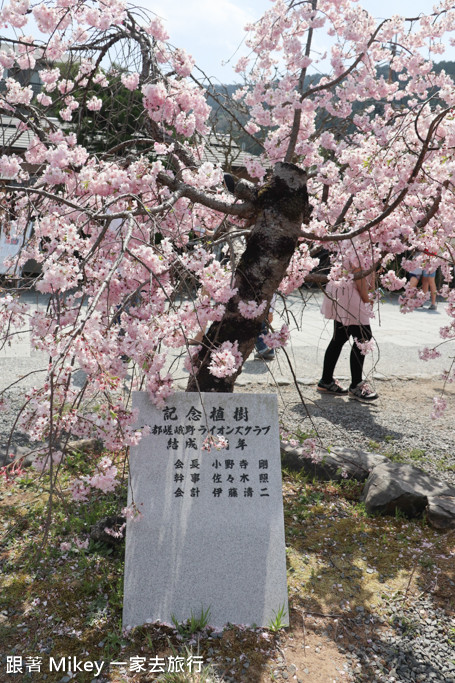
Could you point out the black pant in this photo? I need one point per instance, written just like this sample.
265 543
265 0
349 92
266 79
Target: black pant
341 334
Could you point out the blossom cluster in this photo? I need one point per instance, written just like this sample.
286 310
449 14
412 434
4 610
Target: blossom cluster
103 480
429 354
251 309
226 360
275 340
365 346
300 266
439 407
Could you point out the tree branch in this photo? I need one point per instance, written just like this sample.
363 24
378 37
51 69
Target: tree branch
390 209
298 112
242 210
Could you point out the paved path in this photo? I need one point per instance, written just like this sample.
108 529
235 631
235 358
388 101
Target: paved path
18 358
398 340
398 336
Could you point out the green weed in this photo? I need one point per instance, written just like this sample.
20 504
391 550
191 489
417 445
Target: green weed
277 622
193 624
416 454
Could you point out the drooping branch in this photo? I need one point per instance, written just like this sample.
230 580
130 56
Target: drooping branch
149 66
94 302
344 210
433 209
330 237
181 152
228 111
349 70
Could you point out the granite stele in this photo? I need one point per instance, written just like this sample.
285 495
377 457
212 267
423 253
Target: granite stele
210 536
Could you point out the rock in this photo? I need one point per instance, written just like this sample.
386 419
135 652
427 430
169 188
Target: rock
22 454
115 522
384 494
84 445
393 486
441 511
355 463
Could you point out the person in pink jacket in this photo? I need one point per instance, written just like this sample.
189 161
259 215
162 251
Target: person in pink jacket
348 305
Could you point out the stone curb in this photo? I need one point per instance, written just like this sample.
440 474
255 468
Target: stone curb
339 464
405 487
389 486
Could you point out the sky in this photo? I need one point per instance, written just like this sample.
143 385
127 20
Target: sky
212 30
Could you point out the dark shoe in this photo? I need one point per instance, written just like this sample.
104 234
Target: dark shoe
265 355
362 392
333 388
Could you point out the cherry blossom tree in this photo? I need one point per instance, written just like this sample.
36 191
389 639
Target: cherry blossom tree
357 155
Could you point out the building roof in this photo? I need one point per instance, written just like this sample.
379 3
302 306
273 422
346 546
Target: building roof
222 150
12 139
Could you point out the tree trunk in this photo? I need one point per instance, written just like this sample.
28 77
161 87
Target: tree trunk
282 206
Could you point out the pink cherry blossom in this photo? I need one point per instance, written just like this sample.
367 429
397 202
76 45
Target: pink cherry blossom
16 94
156 29
226 360
275 340
439 407
429 354
251 310
130 81
94 103
365 346
10 166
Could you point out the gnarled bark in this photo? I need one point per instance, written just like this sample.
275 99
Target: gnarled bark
281 205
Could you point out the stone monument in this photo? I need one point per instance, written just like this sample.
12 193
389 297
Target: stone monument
210 535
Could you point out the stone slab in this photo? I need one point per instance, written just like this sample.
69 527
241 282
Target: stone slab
422 482
406 487
341 463
441 511
197 546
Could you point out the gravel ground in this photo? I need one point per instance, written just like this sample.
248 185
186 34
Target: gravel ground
417 647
